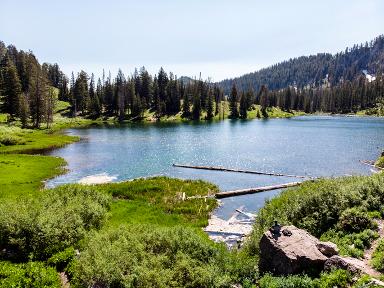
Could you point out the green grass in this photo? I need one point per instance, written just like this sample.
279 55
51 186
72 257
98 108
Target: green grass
23 174
31 141
159 201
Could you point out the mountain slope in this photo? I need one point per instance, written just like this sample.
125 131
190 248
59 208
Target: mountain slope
312 70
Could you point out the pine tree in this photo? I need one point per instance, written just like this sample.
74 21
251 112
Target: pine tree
196 109
234 111
243 106
120 87
209 106
11 89
82 93
186 106
23 110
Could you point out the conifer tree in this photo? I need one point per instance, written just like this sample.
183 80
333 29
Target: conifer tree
23 110
243 106
196 109
186 105
233 109
11 89
209 106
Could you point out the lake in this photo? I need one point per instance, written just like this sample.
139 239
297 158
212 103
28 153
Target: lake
319 146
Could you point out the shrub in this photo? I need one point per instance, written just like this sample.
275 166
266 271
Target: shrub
380 162
354 220
29 275
61 259
378 257
8 140
59 218
295 281
147 256
336 278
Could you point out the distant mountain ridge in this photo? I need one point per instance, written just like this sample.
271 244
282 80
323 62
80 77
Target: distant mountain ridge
312 70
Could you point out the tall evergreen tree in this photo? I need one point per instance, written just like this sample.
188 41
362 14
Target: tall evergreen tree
209 105
11 89
233 109
243 106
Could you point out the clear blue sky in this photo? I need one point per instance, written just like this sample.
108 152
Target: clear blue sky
221 39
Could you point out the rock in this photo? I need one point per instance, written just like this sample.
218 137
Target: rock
353 265
291 252
327 248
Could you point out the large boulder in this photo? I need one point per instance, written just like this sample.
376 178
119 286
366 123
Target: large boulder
290 250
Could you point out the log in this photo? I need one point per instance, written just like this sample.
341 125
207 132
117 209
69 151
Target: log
255 190
238 171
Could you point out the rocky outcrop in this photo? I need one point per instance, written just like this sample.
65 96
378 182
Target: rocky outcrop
290 250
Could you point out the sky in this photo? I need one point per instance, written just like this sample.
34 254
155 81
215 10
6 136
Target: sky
219 38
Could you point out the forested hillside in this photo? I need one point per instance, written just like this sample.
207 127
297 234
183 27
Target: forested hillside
347 82
315 70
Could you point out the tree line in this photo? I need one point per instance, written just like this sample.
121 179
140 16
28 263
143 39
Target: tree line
28 91
25 90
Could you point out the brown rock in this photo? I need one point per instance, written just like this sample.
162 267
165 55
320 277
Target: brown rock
290 252
327 248
353 265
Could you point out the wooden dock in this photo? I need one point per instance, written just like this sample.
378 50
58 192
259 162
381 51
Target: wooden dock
255 190
239 171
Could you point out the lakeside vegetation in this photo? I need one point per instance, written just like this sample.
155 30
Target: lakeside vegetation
146 232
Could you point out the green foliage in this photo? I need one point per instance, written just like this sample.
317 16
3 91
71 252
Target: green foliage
161 200
351 244
148 256
378 257
296 281
354 220
317 206
380 162
40 227
61 259
9 140
334 279
28 275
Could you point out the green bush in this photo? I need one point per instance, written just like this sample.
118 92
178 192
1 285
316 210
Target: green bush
295 281
380 162
29 275
8 140
378 257
336 278
61 259
354 220
37 228
149 256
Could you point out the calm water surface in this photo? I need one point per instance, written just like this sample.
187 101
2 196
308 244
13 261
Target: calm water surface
309 145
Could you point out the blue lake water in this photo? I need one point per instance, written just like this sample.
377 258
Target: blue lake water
309 145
